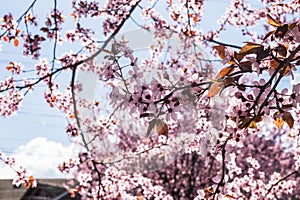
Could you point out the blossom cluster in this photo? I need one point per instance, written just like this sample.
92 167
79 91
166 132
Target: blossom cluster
22 177
166 126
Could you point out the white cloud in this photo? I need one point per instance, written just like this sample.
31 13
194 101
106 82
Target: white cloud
40 157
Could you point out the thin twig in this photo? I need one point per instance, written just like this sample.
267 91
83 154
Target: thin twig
224 44
116 31
221 182
280 180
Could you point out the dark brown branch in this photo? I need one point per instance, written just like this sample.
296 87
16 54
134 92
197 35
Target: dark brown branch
56 35
130 157
20 18
221 182
224 44
73 88
282 67
44 77
280 180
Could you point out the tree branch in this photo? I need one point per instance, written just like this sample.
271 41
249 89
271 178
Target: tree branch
280 180
221 182
224 44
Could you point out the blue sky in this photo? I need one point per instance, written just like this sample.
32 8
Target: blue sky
38 131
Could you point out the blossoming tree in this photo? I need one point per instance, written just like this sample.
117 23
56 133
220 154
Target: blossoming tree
177 123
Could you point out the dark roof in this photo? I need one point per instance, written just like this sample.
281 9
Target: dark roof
9 191
46 189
